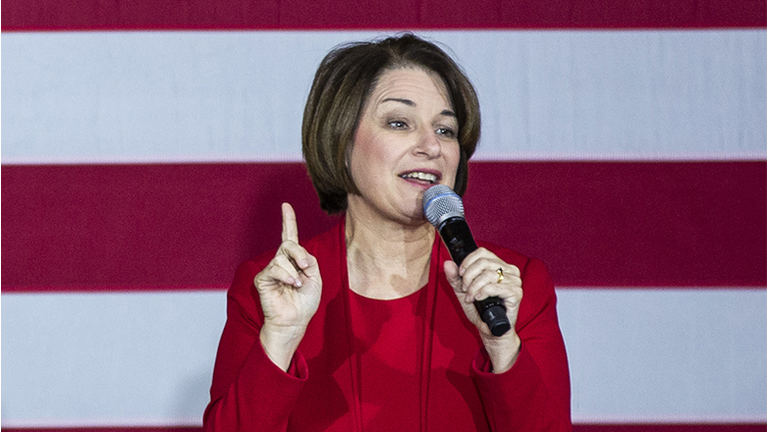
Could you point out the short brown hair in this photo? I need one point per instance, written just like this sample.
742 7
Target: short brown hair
344 81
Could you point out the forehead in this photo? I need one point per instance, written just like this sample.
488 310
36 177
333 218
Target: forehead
409 83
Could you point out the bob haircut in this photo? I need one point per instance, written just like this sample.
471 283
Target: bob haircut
342 85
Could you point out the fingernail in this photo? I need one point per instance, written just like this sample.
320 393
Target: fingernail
297 284
303 263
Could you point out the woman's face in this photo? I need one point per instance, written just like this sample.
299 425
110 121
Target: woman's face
406 142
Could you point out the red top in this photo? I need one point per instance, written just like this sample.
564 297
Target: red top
411 364
387 337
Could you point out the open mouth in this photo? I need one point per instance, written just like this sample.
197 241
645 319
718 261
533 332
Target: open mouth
420 175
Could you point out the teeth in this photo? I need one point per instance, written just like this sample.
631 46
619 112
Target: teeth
421 176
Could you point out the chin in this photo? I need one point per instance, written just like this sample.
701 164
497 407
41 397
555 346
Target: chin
416 217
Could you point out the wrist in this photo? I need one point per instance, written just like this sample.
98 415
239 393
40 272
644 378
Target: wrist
503 351
280 343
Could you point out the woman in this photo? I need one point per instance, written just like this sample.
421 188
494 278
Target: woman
371 326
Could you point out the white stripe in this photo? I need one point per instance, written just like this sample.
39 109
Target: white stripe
108 359
146 359
666 355
128 97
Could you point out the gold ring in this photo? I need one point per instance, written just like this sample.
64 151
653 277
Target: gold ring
500 272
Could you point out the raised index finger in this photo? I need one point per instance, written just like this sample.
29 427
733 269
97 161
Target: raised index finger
290 230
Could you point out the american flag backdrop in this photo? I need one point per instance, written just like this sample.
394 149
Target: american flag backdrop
147 145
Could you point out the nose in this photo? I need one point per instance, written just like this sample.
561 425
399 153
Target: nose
429 144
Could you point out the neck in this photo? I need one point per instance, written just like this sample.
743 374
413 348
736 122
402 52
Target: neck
387 260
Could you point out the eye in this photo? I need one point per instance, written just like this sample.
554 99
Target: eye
397 124
446 132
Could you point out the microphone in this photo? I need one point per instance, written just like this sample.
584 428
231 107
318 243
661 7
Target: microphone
445 210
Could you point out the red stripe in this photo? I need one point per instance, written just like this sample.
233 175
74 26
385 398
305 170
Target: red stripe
757 427
26 15
170 226
628 224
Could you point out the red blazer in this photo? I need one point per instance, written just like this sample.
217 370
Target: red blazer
456 389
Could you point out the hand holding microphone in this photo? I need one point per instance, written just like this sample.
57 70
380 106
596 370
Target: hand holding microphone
445 210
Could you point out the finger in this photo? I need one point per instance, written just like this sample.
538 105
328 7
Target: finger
480 266
312 270
475 286
471 259
505 291
302 261
299 256
483 265
286 264
452 274
484 255
290 230
488 284
280 270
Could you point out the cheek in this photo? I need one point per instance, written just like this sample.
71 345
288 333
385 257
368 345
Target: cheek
372 150
363 157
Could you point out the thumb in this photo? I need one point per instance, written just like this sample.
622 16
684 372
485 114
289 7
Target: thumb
452 274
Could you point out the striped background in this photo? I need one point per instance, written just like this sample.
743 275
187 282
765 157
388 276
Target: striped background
147 146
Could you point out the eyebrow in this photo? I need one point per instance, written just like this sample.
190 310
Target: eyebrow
409 102
403 101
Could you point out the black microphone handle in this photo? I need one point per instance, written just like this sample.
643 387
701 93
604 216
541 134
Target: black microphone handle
460 243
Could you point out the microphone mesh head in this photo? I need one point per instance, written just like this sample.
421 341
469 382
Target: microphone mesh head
440 202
